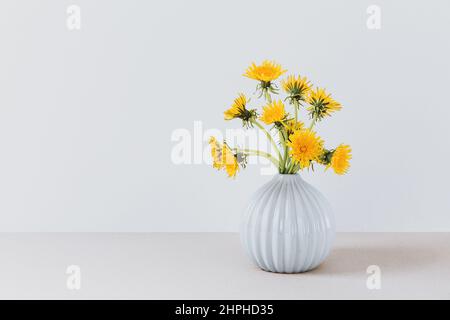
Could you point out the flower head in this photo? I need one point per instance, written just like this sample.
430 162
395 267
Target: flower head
266 72
340 160
321 104
305 146
224 158
325 157
273 112
238 110
216 153
292 125
296 87
230 162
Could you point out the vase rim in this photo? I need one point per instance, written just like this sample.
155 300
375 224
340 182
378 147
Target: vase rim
287 175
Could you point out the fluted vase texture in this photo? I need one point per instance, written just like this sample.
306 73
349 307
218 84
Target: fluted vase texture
288 226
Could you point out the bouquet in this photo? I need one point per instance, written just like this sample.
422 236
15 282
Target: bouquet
298 147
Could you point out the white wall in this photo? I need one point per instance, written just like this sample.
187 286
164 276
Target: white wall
86 116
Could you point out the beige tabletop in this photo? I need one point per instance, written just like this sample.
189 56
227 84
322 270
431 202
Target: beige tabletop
213 266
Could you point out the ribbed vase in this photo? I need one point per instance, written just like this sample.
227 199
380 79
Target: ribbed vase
288 226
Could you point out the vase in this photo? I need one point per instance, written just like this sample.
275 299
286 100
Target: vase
288 226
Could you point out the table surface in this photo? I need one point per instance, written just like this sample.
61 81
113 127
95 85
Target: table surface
213 266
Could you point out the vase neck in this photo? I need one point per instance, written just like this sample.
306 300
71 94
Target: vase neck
287 177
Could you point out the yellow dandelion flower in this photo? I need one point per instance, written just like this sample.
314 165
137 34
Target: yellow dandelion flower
340 161
325 157
230 162
266 72
297 87
224 158
273 112
216 153
305 147
321 103
237 109
292 125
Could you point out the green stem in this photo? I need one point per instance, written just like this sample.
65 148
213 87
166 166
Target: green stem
267 96
295 168
313 122
259 153
286 152
283 162
269 136
290 166
296 110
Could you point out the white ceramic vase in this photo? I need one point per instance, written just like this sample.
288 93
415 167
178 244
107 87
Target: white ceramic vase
288 226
